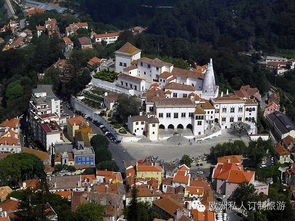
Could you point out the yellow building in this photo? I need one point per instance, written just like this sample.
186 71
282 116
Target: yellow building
84 133
147 171
74 124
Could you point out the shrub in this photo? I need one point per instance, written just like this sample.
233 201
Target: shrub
122 131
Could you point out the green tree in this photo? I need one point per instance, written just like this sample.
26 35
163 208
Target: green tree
21 166
90 212
186 160
99 141
127 106
107 165
14 90
245 193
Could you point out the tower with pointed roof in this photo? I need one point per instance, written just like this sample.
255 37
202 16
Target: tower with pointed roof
210 89
125 56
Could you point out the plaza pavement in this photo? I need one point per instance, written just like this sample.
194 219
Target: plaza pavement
171 151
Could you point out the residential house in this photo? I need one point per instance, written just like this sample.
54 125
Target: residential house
9 136
284 156
167 207
74 124
271 108
104 176
65 158
227 176
69 45
40 29
52 27
108 38
182 177
85 43
95 62
144 195
142 125
73 28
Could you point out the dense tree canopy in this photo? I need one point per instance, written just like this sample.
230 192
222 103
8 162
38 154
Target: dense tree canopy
255 151
127 106
243 23
186 160
21 166
90 212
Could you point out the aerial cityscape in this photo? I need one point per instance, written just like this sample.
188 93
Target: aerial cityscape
147 110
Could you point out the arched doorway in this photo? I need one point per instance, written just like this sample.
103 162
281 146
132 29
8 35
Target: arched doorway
162 127
179 126
189 126
171 126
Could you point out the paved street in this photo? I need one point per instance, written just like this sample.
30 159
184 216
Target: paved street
118 153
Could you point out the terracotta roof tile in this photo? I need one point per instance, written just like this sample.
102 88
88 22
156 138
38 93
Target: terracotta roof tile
12 123
199 110
78 120
64 194
230 159
184 74
155 62
111 34
130 78
128 49
168 205
281 150
177 86
9 205
165 75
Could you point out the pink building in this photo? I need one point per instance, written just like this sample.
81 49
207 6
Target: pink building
228 174
271 108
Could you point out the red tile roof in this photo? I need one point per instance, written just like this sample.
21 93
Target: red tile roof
230 159
12 123
12 141
280 150
168 205
177 86
128 49
112 34
232 173
78 120
67 40
9 205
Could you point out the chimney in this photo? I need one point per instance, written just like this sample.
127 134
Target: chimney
221 95
140 113
226 91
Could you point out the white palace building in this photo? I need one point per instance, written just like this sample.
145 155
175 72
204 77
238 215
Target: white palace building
176 98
